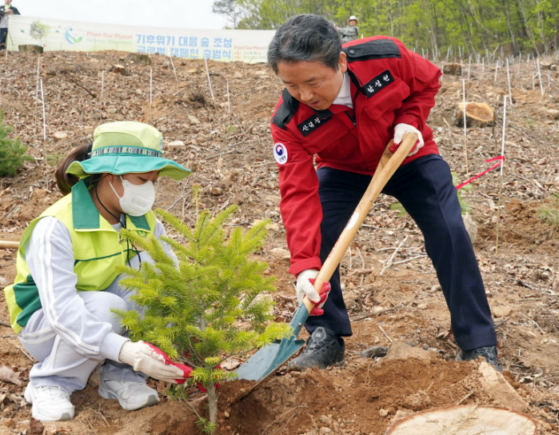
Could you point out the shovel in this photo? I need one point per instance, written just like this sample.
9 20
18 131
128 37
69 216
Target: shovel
271 357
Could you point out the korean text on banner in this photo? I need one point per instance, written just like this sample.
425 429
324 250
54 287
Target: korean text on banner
248 46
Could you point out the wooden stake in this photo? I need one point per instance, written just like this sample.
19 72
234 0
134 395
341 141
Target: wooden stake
465 128
540 76
501 174
496 69
44 112
228 99
174 69
102 84
150 91
209 80
508 80
38 77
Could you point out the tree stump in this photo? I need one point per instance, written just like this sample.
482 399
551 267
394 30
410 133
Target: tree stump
30 48
453 69
477 115
465 420
119 69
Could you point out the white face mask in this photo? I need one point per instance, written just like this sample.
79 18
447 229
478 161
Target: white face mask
137 199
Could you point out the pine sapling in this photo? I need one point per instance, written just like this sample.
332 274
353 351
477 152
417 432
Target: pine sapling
12 153
203 306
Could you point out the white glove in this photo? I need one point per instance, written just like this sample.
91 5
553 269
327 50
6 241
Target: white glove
144 359
304 286
401 129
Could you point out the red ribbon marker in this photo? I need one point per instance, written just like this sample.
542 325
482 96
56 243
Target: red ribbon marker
495 166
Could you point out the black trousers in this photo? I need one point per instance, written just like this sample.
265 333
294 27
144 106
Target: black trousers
3 37
424 187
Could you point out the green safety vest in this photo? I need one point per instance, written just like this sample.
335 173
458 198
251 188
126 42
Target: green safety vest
98 249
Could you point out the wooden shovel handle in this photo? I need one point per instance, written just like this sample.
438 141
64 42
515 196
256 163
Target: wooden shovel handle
387 166
7 244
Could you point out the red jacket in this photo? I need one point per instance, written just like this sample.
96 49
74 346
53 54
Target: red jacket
389 85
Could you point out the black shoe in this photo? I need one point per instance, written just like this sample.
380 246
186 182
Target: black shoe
324 349
489 353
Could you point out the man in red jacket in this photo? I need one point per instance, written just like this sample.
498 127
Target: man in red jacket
340 108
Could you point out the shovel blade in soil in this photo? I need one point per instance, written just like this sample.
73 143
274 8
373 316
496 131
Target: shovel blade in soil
269 358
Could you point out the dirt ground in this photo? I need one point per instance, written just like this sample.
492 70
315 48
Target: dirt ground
390 287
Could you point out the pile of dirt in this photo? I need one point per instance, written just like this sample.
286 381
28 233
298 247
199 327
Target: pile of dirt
390 287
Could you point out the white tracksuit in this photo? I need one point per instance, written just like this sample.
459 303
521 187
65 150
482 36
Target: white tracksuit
74 331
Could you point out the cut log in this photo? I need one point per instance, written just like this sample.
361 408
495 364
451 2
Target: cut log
453 69
466 420
7 244
30 48
477 115
547 65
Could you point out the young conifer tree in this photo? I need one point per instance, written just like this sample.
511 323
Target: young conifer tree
12 152
204 308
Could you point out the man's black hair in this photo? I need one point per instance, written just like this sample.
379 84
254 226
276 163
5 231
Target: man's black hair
305 37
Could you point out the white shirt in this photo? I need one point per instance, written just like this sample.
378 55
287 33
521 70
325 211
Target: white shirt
50 258
344 96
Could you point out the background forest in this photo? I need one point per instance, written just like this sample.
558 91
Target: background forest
439 27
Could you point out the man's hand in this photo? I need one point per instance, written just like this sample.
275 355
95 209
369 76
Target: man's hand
8 11
399 131
152 361
305 287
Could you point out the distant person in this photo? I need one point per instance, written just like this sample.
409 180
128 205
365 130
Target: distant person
5 11
350 32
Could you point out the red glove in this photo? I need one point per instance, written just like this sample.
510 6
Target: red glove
324 292
185 369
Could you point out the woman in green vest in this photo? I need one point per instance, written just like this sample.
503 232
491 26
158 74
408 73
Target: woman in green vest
66 284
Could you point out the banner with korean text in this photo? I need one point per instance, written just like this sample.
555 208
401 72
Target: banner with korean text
248 46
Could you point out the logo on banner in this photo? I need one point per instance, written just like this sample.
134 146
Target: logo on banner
280 153
71 39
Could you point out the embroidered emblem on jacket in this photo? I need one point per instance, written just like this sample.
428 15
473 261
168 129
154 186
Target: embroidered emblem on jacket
280 153
377 84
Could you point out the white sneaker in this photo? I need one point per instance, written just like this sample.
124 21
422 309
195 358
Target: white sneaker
130 395
49 403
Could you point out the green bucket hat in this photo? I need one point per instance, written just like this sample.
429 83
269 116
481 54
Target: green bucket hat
127 147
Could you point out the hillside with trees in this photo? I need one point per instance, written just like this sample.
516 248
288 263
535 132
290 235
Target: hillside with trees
444 28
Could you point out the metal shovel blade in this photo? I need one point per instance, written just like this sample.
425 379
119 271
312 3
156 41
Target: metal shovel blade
271 357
